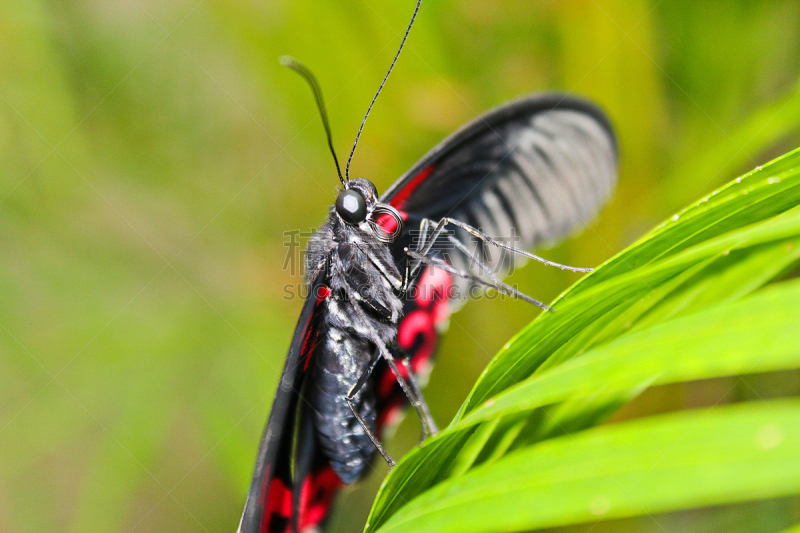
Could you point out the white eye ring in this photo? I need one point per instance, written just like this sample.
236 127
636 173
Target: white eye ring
380 233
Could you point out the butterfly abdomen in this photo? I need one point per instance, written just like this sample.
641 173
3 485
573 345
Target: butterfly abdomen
336 366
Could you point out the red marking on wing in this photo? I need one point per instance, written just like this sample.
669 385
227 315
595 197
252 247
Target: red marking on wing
402 195
323 293
278 512
387 222
432 296
418 323
309 343
277 496
310 339
443 285
433 291
417 336
316 497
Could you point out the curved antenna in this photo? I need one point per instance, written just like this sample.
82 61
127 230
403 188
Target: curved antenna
358 135
292 63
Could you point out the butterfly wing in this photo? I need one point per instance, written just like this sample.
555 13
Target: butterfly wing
550 153
292 484
527 173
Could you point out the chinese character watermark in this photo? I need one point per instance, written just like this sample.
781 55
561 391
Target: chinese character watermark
472 254
295 252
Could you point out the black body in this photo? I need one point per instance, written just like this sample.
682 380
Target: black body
359 316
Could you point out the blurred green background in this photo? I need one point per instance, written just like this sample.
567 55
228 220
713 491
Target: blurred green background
153 155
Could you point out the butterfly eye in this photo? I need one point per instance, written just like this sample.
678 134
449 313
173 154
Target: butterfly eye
351 207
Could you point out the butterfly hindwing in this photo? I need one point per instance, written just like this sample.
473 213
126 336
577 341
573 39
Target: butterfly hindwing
315 482
425 317
282 499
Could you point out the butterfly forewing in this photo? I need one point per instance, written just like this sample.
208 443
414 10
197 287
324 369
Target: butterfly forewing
527 173
275 495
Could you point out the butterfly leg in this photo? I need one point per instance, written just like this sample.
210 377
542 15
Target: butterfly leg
362 380
411 390
489 240
422 247
498 286
431 425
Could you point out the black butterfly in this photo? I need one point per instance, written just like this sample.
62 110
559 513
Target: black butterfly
385 271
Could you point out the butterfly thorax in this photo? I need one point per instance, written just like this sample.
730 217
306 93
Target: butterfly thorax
360 312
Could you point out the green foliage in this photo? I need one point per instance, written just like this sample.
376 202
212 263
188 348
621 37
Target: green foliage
615 333
727 454
154 153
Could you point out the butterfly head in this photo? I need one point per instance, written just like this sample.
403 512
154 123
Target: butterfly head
358 205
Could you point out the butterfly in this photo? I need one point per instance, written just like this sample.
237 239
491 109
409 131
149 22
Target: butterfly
385 271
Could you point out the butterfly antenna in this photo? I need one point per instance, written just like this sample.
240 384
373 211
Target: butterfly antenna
358 136
292 63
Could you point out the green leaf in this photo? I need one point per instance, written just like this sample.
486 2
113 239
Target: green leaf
722 341
469 453
676 461
742 214
672 307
